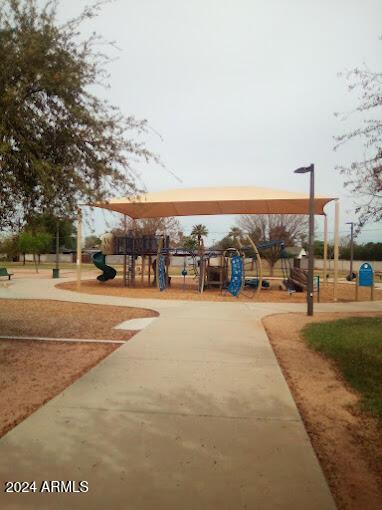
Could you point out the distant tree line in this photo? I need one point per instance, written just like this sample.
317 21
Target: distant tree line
366 251
39 236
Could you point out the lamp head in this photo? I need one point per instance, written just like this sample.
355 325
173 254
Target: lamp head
304 169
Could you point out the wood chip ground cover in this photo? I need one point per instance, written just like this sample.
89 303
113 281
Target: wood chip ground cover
115 287
59 319
32 372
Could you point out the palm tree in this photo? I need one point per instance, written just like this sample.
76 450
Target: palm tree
235 232
199 231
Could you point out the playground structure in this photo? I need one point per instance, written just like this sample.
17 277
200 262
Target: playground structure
212 268
217 201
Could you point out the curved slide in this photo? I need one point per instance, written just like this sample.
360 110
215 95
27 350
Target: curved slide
109 272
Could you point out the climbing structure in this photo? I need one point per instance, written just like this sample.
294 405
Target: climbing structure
148 257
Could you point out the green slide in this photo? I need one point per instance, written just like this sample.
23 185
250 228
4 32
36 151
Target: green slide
109 273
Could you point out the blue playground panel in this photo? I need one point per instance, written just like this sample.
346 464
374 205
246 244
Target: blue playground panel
162 273
365 275
235 284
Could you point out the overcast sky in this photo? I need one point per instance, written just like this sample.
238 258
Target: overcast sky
242 91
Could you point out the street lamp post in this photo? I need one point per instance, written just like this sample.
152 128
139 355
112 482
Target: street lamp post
309 296
351 248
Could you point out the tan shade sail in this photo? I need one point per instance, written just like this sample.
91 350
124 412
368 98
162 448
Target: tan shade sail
214 201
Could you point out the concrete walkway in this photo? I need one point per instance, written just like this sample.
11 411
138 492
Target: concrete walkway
193 412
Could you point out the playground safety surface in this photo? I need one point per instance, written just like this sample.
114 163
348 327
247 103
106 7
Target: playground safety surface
346 292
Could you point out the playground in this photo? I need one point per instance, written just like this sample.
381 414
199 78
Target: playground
236 271
147 262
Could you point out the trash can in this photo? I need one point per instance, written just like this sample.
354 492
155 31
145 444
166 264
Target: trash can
56 273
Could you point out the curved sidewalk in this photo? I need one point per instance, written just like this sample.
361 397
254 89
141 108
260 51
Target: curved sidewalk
193 412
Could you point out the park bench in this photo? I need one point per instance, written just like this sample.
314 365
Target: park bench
4 272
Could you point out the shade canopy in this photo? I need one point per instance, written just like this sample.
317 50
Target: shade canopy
214 201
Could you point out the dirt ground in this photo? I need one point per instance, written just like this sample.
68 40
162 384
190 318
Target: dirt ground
59 319
347 442
32 372
346 292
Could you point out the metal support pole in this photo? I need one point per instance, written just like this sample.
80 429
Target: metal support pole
79 250
259 266
325 247
202 268
351 249
336 247
311 244
221 271
133 260
124 244
132 265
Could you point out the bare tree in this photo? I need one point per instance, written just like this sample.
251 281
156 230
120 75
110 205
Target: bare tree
364 178
289 228
153 226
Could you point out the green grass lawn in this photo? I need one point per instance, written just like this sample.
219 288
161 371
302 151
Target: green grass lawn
355 344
